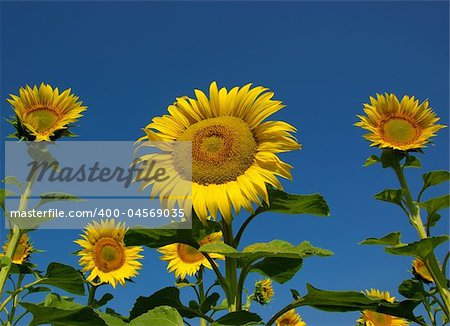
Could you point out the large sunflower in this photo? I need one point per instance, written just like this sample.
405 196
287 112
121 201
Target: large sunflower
43 114
372 318
234 151
105 255
405 125
290 318
185 260
23 249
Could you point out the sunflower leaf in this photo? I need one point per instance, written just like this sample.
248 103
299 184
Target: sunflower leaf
391 239
372 159
239 318
412 289
275 248
279 269
282 202
3 194
163 315
434 178
57 310
391 158
436 204
64 277
391 196
412 162
342 301
209 302
419 249
49 197
12 180
169 296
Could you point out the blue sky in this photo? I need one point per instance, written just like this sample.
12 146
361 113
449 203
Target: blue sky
129 60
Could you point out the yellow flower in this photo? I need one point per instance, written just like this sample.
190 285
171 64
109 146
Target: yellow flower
404 125
185 260
234 150
372 318
23 250
263 291
105 255
290 318
43 114
421 271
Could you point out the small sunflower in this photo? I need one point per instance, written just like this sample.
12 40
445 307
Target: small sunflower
421 271
372 318
185 260
105 255
290 318
234 150
43 114
405 125
23 250
263 291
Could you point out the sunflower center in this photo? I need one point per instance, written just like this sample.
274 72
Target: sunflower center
43 118
109 255
189 254
400 131
223 148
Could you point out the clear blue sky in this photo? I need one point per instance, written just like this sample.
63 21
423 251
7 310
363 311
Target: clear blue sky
128 60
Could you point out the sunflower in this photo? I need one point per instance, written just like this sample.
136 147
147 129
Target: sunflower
372 318
105 255
421 271
23 249
234 151
405 125
290 318
263 291
185 260
43 114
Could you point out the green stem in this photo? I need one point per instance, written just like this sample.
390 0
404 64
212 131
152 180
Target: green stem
222 281
15 300
431 262
240 286
290 306
201 293
244 225
16 234
91 297
19 290
230 265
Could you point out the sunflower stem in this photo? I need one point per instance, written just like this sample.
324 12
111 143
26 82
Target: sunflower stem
431 262
16 232
230 266
91 297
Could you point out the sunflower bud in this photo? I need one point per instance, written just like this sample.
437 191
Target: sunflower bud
263 291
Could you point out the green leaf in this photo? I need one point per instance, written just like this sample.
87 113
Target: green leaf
434 178
275 248
4 261
295 294
209 302
282 202
62 312
12 180
3 194
64 277
412 162
111 320
391 158
49 197
278 269
103 300
239 318
433 219
372 159
391 195
412 289
169 296
343 301
419 249
180 232
436 204
391 239
163 315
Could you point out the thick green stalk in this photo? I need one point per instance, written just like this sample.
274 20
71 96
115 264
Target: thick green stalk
16 234
431 263
230 265
201 292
